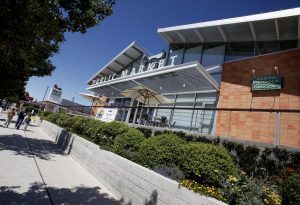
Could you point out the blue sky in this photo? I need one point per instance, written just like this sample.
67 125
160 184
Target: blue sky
82 55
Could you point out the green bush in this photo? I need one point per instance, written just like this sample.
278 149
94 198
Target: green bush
291 189
248 160
55 118
207 162
147 132
79 125
161 150
92 128
249 190
107 132
66 121
44 114
128 144
171 172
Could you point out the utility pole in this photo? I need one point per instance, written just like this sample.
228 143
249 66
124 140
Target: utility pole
45 93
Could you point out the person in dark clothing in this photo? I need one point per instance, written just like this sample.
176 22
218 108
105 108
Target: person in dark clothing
20 119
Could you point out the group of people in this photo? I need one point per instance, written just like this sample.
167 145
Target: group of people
22 117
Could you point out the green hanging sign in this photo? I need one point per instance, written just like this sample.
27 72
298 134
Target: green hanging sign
271 82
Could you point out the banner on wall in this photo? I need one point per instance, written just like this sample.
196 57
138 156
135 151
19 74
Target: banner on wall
106 114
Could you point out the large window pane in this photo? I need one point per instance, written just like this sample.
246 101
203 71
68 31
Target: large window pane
176 50
182 118
213 54
236 51
266 47
192 53
137 63
285 45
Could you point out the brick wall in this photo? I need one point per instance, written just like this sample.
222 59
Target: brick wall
235 92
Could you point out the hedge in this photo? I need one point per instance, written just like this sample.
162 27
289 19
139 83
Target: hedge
291 189
161 150
207 162
128 144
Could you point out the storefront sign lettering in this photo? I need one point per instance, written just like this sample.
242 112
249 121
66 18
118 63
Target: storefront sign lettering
267 83
145 66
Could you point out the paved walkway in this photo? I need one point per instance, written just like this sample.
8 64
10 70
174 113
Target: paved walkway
34 172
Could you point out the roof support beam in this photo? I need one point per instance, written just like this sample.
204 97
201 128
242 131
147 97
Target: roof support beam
199 35
277 29
137 50
120 64
127 56
253 31
110 69
182 38
222 33
298 31
168 37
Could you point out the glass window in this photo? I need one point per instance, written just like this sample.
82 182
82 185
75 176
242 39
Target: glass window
236 51
266 47
176 50
185 100
182 118
285 45
137 63
192 53
217 77
213 53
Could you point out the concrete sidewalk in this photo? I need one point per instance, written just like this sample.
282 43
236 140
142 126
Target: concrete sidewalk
34 172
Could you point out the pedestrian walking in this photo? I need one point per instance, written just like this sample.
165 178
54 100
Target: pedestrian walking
10 114
27 121
20 119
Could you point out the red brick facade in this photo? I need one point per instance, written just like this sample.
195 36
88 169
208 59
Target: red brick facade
236 92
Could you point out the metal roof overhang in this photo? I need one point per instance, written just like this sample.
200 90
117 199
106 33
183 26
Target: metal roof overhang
123 59
278 25
184 78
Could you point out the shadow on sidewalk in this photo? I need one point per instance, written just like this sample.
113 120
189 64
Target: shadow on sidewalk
41 148
36 195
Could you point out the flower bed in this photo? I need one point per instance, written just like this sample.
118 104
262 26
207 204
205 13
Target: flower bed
229 172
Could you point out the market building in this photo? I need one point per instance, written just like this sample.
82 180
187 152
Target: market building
249 62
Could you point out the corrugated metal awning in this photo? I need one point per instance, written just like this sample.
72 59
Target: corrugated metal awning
123 59
185 78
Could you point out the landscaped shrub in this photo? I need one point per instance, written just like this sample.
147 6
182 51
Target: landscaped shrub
203 189
291 190
180 134
66 121
92 128
79 125
295 160
171 172
52 117
107 132
128 144
208 163
245 157
146 131
161 150
248 160
44 114
249 190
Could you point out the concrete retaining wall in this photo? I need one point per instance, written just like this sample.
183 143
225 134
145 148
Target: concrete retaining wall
133 183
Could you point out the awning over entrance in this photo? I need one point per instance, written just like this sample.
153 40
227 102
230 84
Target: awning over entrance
184 78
